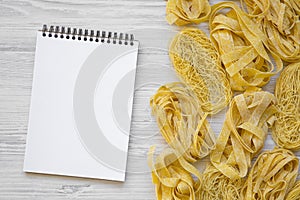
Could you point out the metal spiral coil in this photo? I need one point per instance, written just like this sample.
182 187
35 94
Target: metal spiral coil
88 35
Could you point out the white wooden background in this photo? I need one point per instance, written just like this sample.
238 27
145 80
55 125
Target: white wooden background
19 20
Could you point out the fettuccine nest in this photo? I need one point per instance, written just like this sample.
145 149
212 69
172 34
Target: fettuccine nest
197 63
272 175
279 20
182 12
243 133
182 122
242 46
286 131
173 176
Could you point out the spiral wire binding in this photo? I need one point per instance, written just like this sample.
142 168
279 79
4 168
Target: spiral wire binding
91 35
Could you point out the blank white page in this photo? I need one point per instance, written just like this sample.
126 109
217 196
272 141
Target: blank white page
81 106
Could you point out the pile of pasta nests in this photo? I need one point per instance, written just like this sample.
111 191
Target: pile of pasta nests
248 44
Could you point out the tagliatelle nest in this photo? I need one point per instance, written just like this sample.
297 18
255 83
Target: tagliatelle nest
294 193
182 122
182 12
173 176
217 186
279 20
242 46
198 65
286 130
271 176
243 133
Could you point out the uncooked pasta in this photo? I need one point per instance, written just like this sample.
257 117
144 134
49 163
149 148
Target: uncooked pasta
294 193
286 130
173 176
271 176
295 4
197 63
181 12
243 132
181 121
242 46
279 20
217 186
245 49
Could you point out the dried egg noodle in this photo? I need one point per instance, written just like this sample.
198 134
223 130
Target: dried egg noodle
295 4
241 45
243 133
198 65
181 12
294 193
217 186
271 176
173 176
286 130
181 121
280 23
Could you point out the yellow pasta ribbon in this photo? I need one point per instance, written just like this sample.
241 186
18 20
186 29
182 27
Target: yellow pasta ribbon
182 12
243 133
173 176
286 129
242 46
272 175
280 23
295 4
182 122
294 194
217 186
197 63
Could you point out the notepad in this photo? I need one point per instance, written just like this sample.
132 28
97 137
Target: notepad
81 103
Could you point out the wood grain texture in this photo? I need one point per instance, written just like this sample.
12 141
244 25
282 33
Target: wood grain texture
19 20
